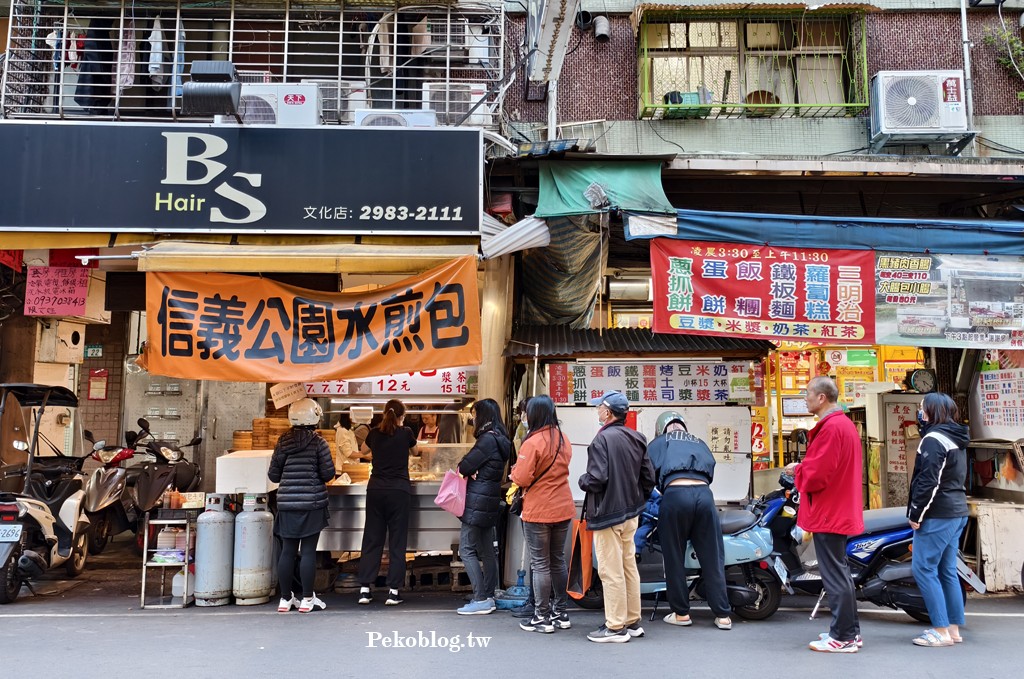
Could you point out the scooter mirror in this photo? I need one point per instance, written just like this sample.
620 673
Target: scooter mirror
143 423
88 436
130 438
194 442
99 445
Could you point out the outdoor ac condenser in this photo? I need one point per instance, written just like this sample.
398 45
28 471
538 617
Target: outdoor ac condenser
924 104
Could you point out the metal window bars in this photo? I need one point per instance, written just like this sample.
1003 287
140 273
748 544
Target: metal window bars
127 60
710 65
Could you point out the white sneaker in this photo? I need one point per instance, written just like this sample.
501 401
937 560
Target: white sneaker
310 603
287 604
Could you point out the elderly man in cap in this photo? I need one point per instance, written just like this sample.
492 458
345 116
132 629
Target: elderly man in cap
618 480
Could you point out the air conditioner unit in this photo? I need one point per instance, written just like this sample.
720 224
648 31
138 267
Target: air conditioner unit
448 38
289 105
451 101
339 99
379 117
256 77
918 104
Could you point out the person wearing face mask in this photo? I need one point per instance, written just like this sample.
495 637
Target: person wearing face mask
937 512
618 481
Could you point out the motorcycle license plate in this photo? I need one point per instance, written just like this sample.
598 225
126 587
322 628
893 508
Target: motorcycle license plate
780 568
10 532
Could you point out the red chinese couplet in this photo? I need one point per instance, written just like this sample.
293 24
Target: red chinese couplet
762 292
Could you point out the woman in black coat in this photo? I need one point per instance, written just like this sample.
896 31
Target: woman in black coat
302 465
484 468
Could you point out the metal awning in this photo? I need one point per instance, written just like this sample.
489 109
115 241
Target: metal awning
326 258
560 341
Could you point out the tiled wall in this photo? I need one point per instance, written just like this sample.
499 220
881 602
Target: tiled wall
915 40
599 80
104 417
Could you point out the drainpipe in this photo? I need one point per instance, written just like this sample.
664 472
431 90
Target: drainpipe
968 80
553 110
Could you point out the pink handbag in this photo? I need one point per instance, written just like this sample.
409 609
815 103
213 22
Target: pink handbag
452 495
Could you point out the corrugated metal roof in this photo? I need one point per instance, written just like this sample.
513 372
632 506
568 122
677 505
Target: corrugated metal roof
560 341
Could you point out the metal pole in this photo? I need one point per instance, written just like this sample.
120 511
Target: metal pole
536 360
968 80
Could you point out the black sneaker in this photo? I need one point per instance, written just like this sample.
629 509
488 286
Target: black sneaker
603 635
635 630
542 625
364 595
524 611
561 620
393 598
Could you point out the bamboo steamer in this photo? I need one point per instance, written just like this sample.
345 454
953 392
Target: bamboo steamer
260 433
242 439
357 471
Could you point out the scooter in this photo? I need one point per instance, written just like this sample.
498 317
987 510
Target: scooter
169 471
880 558
108 500
42 525
754 589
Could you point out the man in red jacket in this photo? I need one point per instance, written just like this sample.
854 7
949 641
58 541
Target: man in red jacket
829 481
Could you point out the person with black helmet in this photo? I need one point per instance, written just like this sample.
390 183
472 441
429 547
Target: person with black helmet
302 465
685 467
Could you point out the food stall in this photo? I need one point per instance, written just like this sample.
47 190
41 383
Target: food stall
446 393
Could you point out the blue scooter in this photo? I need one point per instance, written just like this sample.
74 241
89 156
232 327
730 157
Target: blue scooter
754 586
880 558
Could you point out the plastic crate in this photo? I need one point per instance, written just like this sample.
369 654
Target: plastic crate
684 105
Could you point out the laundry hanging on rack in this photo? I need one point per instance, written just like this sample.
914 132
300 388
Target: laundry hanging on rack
157 67
179 63
126 61
95 89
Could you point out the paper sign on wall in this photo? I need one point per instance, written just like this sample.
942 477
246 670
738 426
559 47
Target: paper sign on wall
287 393
56 291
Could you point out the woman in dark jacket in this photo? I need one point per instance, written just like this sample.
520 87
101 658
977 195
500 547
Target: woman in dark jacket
484 467
302 465
388 502
938 513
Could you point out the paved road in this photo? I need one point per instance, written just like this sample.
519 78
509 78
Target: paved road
94 625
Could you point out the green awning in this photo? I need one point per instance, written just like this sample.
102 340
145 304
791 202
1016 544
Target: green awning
630 186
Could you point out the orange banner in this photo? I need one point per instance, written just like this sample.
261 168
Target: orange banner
212 326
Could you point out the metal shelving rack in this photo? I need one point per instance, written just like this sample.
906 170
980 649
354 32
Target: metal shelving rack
166 600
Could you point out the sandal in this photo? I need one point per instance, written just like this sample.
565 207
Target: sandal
723 623
956 640
673 619
932 638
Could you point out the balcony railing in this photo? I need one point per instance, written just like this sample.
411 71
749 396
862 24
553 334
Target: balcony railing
128 60
696 63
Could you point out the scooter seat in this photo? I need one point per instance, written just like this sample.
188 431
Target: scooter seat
890 518
734 520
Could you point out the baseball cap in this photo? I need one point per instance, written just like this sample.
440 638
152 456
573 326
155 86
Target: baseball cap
615 400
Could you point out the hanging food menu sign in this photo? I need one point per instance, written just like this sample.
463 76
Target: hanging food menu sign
649 383
763 292
455 381
951 301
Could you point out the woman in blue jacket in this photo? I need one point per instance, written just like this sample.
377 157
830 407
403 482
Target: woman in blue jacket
938 513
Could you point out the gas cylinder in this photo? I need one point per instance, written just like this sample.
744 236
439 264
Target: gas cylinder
252 578
214 553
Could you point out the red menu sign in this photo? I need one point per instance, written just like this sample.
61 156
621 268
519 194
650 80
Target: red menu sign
762 292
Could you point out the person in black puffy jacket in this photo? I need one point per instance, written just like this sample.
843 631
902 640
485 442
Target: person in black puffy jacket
484 468
302 465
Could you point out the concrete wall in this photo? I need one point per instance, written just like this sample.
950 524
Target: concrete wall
103 418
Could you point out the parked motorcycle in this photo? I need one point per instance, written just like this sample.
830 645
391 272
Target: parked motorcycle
169 470
880 558
755 590
42 521
109 502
